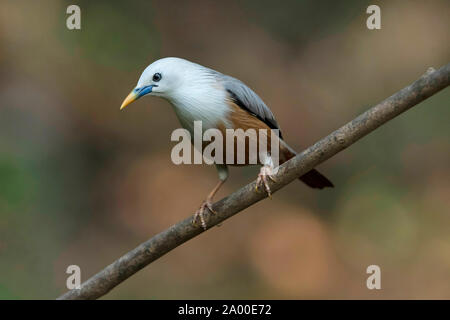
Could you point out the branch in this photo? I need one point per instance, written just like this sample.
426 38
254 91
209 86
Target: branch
101 283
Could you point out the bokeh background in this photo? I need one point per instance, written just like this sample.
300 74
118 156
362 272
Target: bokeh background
82 183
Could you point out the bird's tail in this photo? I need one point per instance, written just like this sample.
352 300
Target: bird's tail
315 179
312 178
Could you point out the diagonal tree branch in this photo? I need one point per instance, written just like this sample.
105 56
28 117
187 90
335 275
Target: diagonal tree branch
101 283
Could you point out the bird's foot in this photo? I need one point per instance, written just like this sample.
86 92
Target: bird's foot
264 175
199 215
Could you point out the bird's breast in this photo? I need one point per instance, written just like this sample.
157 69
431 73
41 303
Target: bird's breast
209 108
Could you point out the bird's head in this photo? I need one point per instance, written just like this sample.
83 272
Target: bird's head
165 78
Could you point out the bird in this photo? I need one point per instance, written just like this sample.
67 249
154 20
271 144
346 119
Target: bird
222 102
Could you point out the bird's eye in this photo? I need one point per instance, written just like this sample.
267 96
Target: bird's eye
157 76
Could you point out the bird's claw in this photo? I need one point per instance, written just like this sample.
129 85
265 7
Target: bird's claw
264 175
199 214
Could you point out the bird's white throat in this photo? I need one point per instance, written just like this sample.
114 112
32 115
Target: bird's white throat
202 102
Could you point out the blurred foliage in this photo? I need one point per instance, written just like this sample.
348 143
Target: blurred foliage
291 22
82 183
108 31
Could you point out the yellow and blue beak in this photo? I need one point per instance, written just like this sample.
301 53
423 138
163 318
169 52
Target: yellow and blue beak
136 94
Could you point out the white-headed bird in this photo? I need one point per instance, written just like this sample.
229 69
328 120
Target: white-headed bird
220 102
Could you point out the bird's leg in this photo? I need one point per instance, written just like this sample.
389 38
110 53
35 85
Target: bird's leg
265 173
222 170
207 204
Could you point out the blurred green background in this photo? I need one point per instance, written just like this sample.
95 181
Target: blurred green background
82 183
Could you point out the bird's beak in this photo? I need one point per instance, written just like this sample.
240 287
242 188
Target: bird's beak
136 94
129 99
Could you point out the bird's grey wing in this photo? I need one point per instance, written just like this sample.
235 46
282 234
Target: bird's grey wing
248 100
